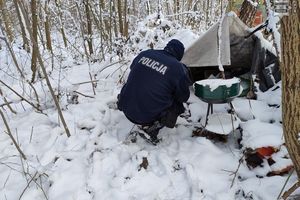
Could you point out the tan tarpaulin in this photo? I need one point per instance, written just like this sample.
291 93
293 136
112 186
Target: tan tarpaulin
241 52
205 51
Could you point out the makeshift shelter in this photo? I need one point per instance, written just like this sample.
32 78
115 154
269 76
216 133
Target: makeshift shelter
239 51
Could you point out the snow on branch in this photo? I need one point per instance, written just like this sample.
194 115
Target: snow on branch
253 3
221 68
273 27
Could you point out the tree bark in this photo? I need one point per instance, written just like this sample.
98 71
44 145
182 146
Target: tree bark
47 27
24 36
133 7
6 20
113 15
82 31
290 73
39 57
103 11
248 11
89 26
175 9
99 24
110 25
120 16
62 30
34 27
126 23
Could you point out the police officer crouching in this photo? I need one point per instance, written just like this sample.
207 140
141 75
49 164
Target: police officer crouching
156 88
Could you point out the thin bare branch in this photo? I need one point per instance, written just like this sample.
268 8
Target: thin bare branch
39 58
84 95
11 136
28 185
93 83
236 171
16 63
86 82
291 190
5 104
23 98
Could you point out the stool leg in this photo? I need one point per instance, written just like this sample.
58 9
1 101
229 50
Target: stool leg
231 107
232 112
207 113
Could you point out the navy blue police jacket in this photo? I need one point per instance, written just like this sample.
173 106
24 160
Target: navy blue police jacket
156 81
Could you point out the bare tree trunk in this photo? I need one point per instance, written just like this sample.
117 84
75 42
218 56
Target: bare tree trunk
113 13
39 57
290 71
175 8
105 20
177 5
6 19
189 5
99 24
47 27
110 25
40 34
168 7
133 7
24 36
148 7
89 26
62 30
126 23
120 17
248 11
82 31
34 28
9 46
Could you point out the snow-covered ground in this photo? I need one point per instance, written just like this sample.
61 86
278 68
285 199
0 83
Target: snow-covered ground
95 163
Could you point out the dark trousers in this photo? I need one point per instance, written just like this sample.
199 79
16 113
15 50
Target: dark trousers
169 117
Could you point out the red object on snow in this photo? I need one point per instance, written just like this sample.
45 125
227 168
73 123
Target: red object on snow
265 151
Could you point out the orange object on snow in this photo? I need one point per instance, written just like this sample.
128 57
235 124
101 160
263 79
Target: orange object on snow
265 151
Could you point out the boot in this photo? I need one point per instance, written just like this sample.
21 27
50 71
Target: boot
151 132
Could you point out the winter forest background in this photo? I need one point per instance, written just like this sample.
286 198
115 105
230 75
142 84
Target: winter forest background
62 64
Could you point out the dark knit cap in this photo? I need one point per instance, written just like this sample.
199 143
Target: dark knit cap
175 48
